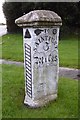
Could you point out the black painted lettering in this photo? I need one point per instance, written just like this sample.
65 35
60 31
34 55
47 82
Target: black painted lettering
46 38
54 31
39 40
49 38
45 30
42 39
46 46
52 40
38 31
45 59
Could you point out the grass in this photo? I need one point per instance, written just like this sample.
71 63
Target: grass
68 52
0 79
0 47
12 49
66 105
0 91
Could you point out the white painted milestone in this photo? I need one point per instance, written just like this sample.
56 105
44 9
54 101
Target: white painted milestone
41 62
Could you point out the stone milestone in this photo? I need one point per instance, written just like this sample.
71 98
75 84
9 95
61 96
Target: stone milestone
41 62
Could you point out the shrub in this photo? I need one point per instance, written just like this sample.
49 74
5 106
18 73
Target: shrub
12 10
69 12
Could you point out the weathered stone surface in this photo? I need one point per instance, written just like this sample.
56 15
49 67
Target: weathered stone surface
41 63
39 18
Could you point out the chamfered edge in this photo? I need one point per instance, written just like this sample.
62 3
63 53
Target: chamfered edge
39 18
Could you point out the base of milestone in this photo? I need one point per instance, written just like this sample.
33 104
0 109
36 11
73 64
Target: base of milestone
40 102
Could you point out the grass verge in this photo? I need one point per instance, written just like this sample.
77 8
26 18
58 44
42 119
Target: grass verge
68 52
66 105
0 79
0 91
12 47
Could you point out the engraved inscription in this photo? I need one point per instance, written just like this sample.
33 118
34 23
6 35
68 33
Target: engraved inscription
42 59
54 31
45 42
45 49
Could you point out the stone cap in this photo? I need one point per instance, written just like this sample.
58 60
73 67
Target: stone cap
39 18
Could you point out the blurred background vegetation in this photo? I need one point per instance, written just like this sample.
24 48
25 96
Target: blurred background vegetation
69 12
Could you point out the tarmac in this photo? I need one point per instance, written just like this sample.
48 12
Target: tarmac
63 71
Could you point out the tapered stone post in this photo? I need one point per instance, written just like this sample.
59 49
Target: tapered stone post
41 62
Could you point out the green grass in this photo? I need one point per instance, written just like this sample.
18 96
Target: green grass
66 105
0 79
12 49
0 47
68 52
0 91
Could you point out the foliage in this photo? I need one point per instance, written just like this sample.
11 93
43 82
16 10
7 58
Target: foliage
12 49
69 11
63 9
66 105
12 10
